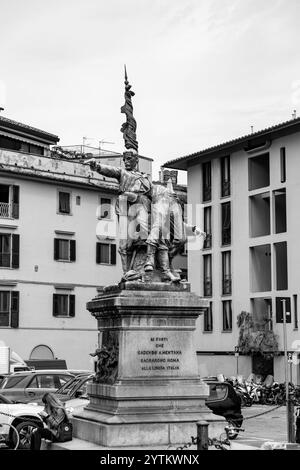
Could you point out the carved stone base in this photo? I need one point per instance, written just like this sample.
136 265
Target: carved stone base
152 394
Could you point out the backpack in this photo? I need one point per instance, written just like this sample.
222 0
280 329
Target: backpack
64 430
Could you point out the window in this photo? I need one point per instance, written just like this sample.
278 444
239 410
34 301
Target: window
259 172
9 201
207 228
78 200
64 202
9 250
64 250
295 298
63 305
280 225
206 181
105 208
227 315
226 223
225 176
9 309
260 219
282 165
281 261
260 268
105 253
207 275
208 318
226 273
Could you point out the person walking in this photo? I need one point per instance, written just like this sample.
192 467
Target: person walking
53 415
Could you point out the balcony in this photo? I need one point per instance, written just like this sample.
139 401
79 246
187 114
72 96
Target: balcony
9 210
226 285
207 287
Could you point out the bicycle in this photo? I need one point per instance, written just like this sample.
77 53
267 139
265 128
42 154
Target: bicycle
9 437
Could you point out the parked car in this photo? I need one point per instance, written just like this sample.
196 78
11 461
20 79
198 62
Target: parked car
25 418
80 372
75 388
25 387
224 401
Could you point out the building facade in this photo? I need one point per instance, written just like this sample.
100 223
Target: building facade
57 247
248 191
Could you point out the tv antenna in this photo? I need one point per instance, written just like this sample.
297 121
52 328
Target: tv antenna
252 129
104 142
294 115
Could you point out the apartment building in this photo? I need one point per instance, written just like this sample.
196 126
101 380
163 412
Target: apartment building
249 189
58 247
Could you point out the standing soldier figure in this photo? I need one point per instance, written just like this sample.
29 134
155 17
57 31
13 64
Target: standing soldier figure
134 200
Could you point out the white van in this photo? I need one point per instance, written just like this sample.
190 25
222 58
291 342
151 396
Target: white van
10 361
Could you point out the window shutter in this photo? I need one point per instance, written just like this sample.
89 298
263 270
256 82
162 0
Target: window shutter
15 202
56 248
98 253
72 305
72 250
15 251
14 309
55 311
113 253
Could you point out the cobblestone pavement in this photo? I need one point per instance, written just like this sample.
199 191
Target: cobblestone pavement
268 427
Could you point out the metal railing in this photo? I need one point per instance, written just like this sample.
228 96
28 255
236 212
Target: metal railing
208 241
226 290
5 209
9 210
225 188
207 287
5 260
207 193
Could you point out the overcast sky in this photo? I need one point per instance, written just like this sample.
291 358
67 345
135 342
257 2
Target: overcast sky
203 71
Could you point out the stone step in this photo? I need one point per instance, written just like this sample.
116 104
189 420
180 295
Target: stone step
80 444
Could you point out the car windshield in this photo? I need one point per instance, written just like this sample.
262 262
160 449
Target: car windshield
74 385
217 391
12 381
67 388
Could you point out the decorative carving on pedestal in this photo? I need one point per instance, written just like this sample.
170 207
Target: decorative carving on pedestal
108 359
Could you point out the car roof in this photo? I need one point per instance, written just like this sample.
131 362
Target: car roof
45 371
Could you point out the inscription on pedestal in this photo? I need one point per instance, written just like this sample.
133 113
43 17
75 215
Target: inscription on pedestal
159 356
155 353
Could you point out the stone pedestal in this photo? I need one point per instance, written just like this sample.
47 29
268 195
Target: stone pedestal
150 392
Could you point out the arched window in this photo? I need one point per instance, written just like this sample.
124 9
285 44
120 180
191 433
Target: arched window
41 352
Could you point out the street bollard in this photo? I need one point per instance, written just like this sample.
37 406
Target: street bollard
297 426
202 435
291 420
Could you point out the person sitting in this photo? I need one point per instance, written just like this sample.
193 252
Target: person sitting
53 415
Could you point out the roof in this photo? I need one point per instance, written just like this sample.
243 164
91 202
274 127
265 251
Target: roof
24 129
279 130
54 170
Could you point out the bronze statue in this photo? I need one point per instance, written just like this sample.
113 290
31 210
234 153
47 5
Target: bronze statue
129 127
147 213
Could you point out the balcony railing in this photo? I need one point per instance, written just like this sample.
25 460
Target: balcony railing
226 236
227 285
9 210
4 260
207 287
208 241
225 188
207 193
